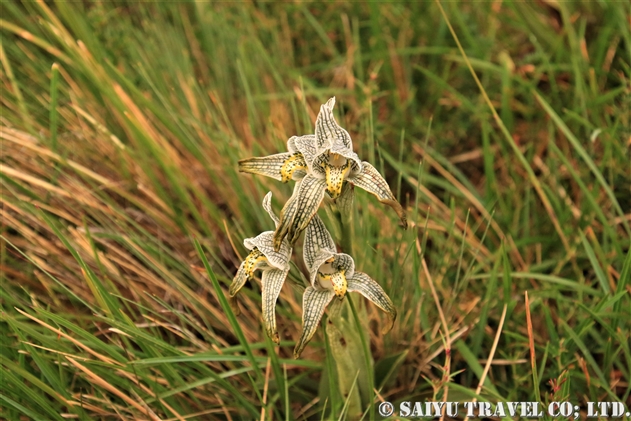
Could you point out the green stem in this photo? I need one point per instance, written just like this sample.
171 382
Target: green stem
367 359
330 367
346 225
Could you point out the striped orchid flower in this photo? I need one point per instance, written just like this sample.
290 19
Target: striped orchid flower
324 162
274 265
332 274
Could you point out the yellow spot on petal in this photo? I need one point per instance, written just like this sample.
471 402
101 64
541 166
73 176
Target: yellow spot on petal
291 165
252 261
338 280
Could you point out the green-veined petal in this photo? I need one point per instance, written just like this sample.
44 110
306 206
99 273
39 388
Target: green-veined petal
370 180
299 209
318 246
282 166
264 242
328 131
369 288
305 145
268 166
345 201
272 281
239 279
314 301
343 261
341 149
267 205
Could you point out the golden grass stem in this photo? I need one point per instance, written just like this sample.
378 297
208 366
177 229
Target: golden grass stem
489 360
446 333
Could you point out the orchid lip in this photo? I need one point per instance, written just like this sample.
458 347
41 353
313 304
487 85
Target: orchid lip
336 281
335 176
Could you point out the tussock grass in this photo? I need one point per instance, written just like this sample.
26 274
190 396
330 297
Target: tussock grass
123 214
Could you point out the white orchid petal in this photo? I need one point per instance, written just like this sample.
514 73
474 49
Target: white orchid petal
272 281
317 240
304 145
343 261
239 280
268 166
299 210
314 301
370 180
267 205
370 289
345 201
328 131
318 246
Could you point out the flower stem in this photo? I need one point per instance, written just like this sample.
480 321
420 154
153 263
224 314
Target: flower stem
367 358
346 225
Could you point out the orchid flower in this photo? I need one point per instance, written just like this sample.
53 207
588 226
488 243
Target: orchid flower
332 274
324 162
273 263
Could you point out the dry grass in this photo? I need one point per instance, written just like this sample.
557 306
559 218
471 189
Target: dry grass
120 131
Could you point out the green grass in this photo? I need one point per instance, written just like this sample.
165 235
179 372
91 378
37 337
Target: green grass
123 214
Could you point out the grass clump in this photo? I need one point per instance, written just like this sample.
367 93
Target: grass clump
121 127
